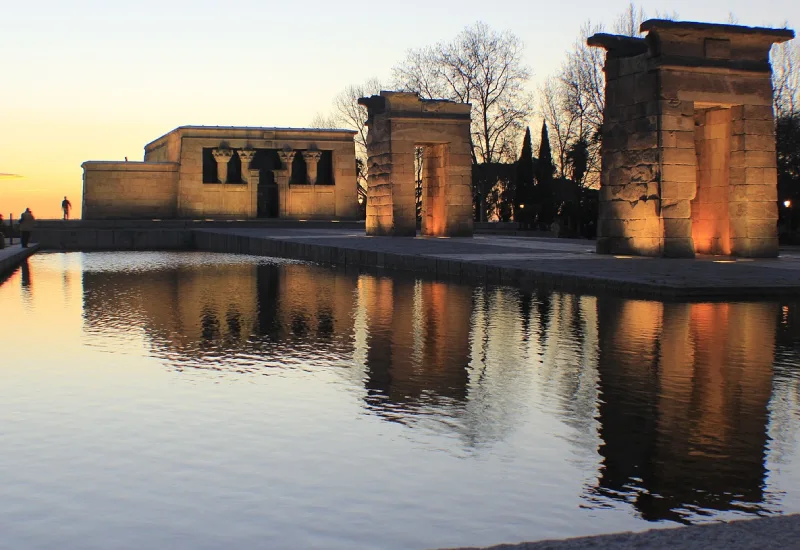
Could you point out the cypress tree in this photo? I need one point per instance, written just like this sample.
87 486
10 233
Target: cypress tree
524 195
544 165
545 170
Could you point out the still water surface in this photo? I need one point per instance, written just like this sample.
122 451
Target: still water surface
198 401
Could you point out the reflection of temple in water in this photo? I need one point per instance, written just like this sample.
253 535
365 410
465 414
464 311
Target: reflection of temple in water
418 347
683 406
412 336
669 401
192 311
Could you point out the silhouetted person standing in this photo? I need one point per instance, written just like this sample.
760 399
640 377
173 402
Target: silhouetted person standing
66 206
26 226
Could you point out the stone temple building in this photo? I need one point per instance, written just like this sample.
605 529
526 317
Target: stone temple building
688 152
229 173
398 123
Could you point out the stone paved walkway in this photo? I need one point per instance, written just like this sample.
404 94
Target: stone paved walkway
759 534
565 263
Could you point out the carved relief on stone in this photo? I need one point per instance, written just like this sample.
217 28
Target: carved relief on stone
286 160
246 156
312 159
223 157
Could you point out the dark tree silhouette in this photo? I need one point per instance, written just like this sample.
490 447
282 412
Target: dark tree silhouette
544 190
544 165
787 132
524 200
578 159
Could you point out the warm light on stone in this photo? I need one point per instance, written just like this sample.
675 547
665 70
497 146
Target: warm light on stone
182 169
688 151
312 159
223 157
246 156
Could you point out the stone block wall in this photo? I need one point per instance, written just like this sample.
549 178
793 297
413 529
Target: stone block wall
198 199
677 172
311 201
167 148
132 190
391 206
753 198
630 220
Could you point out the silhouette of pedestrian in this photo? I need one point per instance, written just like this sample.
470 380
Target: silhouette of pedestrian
26 226
66 206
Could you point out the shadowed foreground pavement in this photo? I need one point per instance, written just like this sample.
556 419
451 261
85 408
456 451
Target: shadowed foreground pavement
764 533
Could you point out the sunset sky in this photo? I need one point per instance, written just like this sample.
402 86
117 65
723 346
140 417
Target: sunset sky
97 80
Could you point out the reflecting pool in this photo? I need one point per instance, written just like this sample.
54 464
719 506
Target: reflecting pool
201 401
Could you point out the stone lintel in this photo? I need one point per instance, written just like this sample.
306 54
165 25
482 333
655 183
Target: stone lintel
618 45
666 26
411 105
709 64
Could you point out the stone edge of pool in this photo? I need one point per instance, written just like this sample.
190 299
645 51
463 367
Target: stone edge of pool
213 241
749 534
13 255
233 238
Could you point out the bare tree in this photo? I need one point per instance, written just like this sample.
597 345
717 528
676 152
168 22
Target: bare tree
324 121
572 102
628 22
482 67
348 114
786 98
551 105
786 78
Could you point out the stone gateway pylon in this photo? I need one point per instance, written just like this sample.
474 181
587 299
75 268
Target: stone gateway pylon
398 123
688 151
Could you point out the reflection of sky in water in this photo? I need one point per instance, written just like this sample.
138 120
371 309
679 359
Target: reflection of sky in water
203 401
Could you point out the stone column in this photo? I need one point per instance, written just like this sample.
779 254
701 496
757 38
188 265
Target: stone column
282 181
312 159
677 169
246 156
223 157
753 189
253 180
286 159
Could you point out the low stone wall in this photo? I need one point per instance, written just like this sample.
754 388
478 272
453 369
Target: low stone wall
113 239
148 234
129 190
310 202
